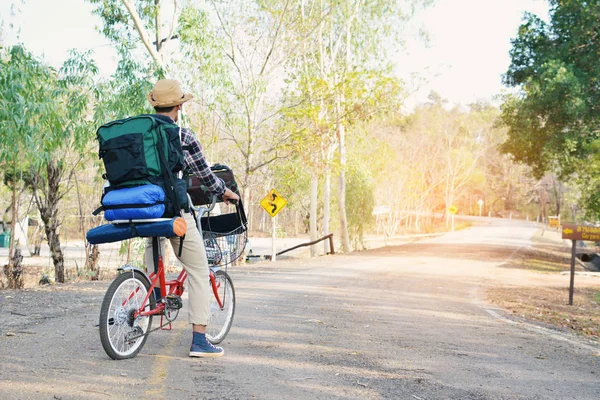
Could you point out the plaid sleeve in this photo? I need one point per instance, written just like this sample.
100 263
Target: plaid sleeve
195 163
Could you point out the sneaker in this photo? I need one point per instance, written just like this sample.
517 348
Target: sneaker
201 347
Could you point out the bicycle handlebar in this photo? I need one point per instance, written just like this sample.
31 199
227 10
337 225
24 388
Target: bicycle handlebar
203 210
211 206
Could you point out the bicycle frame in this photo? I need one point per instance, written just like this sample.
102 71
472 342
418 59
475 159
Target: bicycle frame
126 314
174 287
168 287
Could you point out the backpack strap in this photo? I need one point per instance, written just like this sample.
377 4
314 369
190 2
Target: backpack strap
124 206
168 175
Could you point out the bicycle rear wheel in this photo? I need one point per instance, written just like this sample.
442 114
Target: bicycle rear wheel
221 319
122 335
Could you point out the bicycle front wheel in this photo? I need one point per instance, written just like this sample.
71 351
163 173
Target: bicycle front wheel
221 318
122 335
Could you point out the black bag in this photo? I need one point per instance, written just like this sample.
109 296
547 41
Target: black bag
201 195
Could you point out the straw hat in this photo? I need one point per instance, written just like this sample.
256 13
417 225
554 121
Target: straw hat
167 93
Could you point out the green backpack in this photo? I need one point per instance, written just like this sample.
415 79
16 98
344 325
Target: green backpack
140 153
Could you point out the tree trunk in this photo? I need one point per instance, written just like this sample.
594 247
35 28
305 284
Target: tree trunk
326 209
296 216
556 186
14 271
38 238
92 261
13 223
55 252
247 206
342 195
139 26
314 193
248 169
48 207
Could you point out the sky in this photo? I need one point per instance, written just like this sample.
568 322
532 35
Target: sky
469 44
468 50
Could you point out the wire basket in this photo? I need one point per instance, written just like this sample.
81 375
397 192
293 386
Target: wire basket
225 236
223 249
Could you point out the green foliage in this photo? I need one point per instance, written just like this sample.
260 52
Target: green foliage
48 126
117 25
25 94
360 201
44 112
133 250
553 123
124 95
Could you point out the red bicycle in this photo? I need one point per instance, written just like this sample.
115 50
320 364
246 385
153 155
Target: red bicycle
129 304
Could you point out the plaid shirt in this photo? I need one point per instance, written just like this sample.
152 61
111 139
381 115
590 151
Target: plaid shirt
195 162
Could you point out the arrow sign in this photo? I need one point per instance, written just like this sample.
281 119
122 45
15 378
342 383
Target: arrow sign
273 202
581 232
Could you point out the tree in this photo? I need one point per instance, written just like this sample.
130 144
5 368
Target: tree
553 122
21 101
147 24
343 73
247 102
47 121
60 142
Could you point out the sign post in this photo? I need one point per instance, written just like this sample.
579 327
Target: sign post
452 210
272 204
480 204
572 279
273 239
575 233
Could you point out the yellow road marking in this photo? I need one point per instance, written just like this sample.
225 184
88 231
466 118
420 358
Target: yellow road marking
159 369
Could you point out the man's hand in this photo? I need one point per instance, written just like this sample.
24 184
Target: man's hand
229 195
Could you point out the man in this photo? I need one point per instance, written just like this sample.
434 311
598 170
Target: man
167 98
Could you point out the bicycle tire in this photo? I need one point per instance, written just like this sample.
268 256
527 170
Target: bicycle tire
221 319
116 321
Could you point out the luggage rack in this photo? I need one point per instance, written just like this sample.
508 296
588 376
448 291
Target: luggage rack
138 221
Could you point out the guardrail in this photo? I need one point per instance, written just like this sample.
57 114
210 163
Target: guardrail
331 248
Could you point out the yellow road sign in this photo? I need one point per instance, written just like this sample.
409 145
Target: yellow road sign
452 209
273 202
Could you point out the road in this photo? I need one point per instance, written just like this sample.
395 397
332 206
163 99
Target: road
403 322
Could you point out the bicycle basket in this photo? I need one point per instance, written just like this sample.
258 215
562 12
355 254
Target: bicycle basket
225 236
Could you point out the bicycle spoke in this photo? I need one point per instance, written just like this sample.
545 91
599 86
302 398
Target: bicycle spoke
122 336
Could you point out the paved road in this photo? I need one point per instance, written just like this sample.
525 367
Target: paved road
405 322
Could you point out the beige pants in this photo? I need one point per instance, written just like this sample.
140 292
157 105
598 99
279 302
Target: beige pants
193 258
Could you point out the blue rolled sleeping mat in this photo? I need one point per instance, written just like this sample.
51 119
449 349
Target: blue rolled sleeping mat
138 202
109 233
135 203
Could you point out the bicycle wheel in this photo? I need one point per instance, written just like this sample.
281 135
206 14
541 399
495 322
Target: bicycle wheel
221 318
122 335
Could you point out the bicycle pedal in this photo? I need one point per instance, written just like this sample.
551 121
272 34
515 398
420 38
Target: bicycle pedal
173 302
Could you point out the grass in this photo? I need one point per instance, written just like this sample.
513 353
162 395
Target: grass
540 260
549 305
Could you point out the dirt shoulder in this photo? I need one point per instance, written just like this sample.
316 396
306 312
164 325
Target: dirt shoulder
543 295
